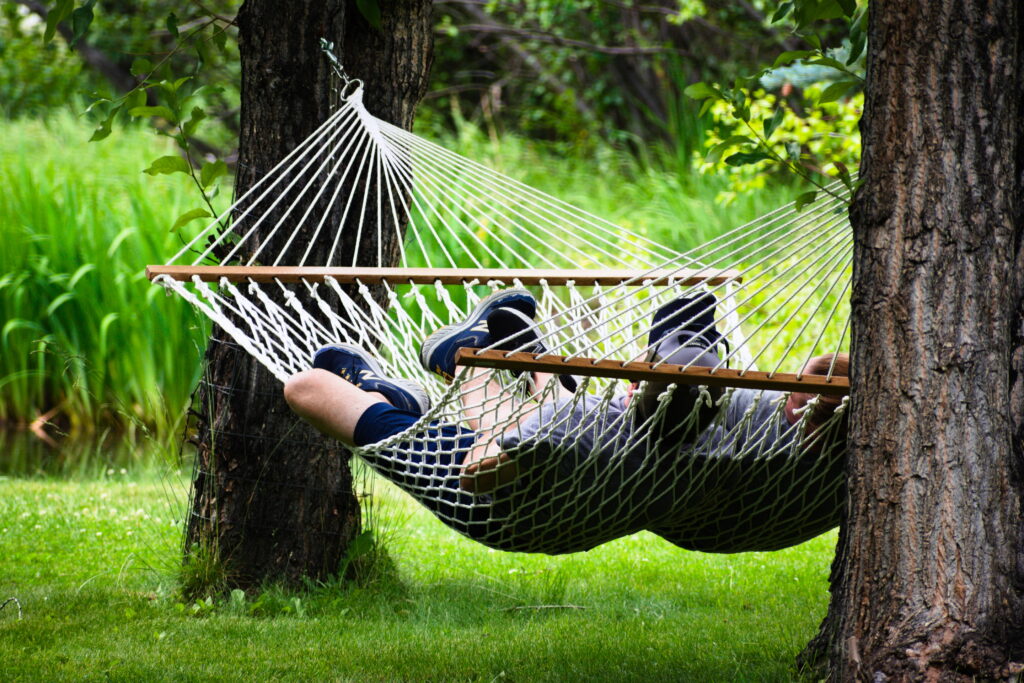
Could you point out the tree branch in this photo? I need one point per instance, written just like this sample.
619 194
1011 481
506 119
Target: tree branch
553 39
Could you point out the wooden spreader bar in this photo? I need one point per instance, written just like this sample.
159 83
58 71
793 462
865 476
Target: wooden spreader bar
558 365
447 276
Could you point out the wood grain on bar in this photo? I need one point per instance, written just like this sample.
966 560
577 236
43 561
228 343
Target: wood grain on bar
812 384
448 276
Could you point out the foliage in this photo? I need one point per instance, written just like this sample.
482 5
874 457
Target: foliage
35 78
823 133
756 135
85 337
92 563
572 70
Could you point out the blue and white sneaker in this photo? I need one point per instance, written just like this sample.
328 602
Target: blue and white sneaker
513 331
357 366
438 351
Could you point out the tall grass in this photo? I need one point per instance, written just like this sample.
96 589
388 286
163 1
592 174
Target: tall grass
85 339
658 195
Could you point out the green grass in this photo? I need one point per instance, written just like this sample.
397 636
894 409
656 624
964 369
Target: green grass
83 334
92 561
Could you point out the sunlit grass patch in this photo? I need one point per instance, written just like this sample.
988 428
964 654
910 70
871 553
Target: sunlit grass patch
80 558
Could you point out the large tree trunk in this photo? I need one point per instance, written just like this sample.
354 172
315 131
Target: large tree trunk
273 498
930 581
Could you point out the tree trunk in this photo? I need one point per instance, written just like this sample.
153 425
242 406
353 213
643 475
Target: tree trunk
930 583
272 498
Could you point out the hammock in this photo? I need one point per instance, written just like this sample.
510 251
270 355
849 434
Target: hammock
752 482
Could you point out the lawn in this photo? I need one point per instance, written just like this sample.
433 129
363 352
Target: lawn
92 561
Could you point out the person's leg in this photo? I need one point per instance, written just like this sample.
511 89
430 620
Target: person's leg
490 410
329 403
682 333
343 384
486 406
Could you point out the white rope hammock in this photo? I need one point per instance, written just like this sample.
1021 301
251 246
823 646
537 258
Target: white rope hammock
781 285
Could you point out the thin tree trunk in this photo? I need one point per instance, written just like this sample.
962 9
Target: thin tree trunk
930 585
273 498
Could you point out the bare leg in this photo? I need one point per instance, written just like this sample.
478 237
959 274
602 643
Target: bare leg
328 402
490 411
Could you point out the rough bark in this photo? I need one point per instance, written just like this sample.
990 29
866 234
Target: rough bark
930 585
272 497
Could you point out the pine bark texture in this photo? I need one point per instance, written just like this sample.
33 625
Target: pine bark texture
929 583
271 497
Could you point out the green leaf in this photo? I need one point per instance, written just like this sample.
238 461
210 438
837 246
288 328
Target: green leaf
745 158
858 40
211 171
804 199
80 20
716 152
848 6
100 99
141 67
193 123
158 110
361 545
828 61
172 24
793 150
837 90
188 217
771 124
60 12
700 91
844 175
782 11
136 98
370 11
807 12
103 130
791 56
168 164
220 39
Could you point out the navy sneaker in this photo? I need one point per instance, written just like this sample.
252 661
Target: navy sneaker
361 369
513 331
693 316
438 351
683 333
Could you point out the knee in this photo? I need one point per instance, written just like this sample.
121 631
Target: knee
301 389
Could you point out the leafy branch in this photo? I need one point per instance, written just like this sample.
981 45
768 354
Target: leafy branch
173 104
756 145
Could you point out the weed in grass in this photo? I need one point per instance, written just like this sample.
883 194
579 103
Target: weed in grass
203 572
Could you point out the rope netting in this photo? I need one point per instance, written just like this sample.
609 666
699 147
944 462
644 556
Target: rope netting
731 474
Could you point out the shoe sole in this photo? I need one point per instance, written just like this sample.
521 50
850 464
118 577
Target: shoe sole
528 334
448 331
417 392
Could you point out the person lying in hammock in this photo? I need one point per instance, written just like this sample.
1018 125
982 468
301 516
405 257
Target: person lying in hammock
592 469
